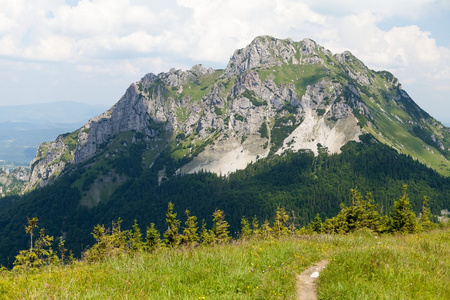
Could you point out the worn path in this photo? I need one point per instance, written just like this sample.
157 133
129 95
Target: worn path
306 282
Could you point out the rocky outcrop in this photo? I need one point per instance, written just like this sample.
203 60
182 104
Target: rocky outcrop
12 180
48 163
266 51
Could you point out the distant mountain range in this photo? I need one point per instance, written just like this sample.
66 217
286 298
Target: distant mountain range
24 127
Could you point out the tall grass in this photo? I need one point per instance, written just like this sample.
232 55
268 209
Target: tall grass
362 266
390 267
243 270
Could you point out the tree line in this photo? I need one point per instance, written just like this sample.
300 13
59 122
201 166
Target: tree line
114 241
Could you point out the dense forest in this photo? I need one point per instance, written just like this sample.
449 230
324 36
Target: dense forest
302 183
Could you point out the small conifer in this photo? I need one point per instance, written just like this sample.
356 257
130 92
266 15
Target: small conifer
40 252
190 236
136 243
402 218
246 232
425 218
266 230
279 225
220 227
255 227
317 224
172 236
152 239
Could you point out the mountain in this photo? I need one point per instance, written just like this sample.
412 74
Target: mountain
24 127
285 123
274 95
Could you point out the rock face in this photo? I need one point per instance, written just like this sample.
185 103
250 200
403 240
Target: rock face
12 181
274 95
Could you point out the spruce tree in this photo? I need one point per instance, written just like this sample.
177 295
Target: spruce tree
207 237
220 227
172 236
266 230
62 250
279 225
43 248
106 245
136 243
317 225
255 227
119 237
402 218
190 236
246 232
152 238
425 218
40 252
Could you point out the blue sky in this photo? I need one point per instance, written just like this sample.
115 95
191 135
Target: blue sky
92 50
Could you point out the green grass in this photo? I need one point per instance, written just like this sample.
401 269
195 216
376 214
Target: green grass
362 266
249 270
391 267
196 89
299 75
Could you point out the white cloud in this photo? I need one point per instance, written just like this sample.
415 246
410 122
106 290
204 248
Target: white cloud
217 28
123 67
53 30
125 39
411 9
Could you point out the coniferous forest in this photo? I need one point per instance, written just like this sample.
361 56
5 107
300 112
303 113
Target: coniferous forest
304 185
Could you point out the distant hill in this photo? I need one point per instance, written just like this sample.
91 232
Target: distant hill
24 127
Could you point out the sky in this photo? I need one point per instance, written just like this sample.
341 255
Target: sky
90 51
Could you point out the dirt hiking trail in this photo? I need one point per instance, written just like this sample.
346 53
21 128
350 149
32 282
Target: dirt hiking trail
306 282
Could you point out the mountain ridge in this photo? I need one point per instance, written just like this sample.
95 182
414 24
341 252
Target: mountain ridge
274 95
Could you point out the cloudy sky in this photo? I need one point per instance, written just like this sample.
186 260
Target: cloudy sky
91 50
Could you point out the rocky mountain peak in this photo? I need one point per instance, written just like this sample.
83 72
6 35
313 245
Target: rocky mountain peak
266 51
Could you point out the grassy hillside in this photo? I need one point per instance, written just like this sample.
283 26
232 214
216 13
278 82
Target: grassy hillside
362 266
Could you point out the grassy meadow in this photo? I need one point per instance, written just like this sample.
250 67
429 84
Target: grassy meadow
363 265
